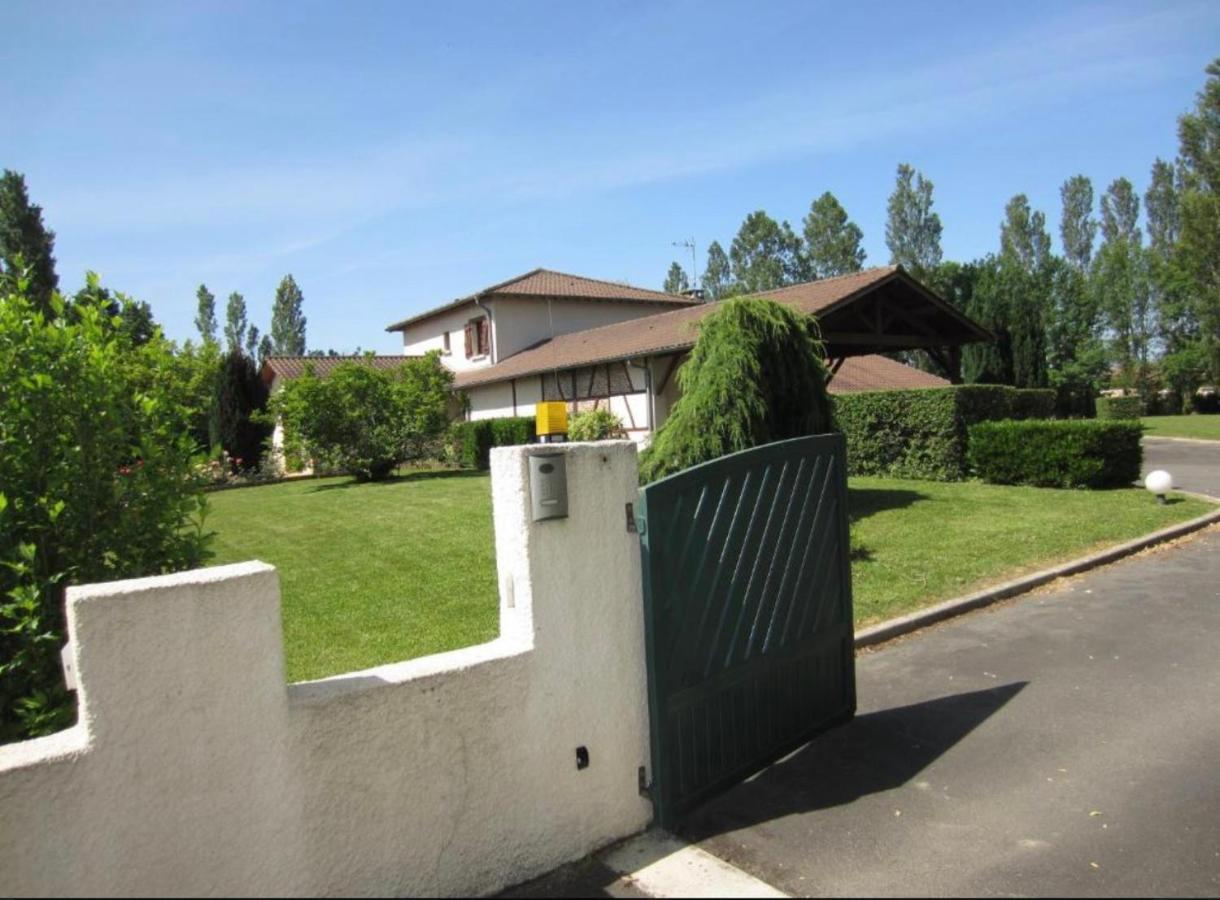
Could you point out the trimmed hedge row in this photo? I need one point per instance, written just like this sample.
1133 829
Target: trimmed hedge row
472 441
1079 453
1119 407
923 433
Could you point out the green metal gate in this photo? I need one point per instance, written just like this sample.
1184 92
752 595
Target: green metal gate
748 616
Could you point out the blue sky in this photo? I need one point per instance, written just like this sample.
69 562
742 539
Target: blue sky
392 156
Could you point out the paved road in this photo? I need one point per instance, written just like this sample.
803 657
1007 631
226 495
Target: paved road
1195 466
1064 744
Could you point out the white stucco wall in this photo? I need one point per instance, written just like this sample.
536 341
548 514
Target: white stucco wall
427 335
524 321
196 770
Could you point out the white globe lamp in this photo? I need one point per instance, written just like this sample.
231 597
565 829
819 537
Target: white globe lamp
1160 483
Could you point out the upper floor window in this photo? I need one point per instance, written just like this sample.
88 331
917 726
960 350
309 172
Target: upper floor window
478 337
445 348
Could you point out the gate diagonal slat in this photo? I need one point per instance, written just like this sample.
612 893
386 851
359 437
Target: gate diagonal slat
737 607
684 640
747 595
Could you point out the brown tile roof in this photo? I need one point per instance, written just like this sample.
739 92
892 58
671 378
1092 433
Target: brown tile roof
546 283
289 367
674 330
880 373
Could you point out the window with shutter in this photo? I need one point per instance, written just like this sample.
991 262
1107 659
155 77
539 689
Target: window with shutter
469 339
484 337
478 337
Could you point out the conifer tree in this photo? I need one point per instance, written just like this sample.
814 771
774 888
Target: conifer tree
832 241
287 319
25 243
765 254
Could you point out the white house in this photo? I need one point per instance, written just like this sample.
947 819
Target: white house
551 336
548 335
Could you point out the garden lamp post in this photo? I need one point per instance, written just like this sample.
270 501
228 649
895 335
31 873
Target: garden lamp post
1159 483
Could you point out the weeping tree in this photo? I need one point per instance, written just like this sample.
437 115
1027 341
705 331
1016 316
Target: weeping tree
755 375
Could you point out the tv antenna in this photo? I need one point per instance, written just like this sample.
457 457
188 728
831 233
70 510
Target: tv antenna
689 244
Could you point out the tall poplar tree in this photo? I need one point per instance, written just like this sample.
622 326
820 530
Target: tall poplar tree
1077 227
912 230
287 319
717 274
676 281
1199 241
1024 278
25 242
1120 282
205 316
235 322
832 241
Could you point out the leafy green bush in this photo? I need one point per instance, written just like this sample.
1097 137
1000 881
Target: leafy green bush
595 425
365 421
1119 407
472 441
923 433
756 375
97 482
1063 454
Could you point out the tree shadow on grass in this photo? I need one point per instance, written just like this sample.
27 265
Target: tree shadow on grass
404 477
875 752
864 502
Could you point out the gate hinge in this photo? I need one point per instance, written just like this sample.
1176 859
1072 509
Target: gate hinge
631 527
645 787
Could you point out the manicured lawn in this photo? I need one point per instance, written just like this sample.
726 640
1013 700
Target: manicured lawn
1198 426
919 542
369 573
375 573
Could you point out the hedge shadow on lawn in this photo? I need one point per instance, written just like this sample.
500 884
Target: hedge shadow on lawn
400 479
864 502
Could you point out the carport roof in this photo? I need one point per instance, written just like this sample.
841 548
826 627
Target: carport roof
862 313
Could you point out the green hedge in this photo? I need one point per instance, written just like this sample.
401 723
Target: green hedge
472 441
1119 407
1064 454
923 433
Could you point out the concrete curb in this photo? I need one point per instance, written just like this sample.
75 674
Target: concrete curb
1181 440
886 631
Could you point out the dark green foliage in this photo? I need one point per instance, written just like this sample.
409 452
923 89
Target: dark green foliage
717 277
287 320
235 322
832 241
1119 407
1071 454
97 483
26 245
137 321
1164 403
1075 401
1205 403
755 375
205 316
366 421
766 254
676 280
236 426
472 441
924 433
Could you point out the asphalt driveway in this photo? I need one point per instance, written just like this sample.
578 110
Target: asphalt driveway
1195 465
1066 743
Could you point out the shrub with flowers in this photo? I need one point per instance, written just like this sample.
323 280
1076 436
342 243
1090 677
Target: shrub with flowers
98 481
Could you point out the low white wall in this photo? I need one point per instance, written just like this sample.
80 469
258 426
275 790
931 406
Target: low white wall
196 770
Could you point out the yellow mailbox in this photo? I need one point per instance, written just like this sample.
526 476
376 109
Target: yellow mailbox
551 418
